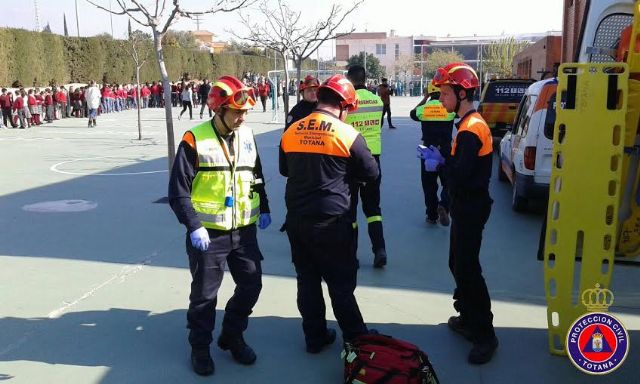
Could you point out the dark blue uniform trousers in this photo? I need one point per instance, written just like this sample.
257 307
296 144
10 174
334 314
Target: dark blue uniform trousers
370 195
469 214
322 249
239 249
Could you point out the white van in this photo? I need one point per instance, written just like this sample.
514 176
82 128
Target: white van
526 150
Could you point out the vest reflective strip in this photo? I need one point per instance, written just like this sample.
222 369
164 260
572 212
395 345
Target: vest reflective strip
218 219
373 219
374 108
476 125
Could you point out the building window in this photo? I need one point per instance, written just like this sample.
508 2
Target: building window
397 51
381 49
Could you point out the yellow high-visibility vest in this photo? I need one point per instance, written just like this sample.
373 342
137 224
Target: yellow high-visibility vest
222 193
367 119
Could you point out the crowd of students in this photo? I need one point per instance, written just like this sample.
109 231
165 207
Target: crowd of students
28 107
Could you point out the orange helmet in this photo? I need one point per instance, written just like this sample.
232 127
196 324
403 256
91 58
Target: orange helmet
343 88
231 93
456 74
309 82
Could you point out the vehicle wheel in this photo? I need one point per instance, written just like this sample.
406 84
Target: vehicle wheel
501 175
518 202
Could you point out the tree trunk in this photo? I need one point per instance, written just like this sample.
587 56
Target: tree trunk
171 146
138 101
286 84
298 75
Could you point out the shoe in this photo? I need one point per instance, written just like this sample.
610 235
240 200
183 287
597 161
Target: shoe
456 324
431 221
481 353
380 259
392 127
329 338
443 216
241 352
202 362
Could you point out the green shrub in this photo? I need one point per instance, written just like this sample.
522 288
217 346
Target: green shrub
44 57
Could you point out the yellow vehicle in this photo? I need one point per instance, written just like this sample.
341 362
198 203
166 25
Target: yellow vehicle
499 103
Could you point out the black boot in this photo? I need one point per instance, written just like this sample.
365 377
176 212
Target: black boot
202 362
482 352
240 351
457 325
380 258
328 339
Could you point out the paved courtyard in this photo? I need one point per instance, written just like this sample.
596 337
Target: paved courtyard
98 294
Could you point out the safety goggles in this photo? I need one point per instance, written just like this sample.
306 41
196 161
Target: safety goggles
242 99
440 77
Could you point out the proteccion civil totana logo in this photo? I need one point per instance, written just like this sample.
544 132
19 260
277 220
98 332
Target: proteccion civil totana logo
597 343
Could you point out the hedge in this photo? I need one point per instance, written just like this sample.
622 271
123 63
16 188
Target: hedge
39 57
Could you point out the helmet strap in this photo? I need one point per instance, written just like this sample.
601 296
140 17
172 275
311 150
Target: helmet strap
224 123
457 90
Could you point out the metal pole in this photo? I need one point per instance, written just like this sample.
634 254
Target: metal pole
480 69
365 60
111 18
77 20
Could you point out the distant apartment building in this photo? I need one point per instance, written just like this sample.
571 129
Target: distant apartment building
391 50
539 60
206 41
387 48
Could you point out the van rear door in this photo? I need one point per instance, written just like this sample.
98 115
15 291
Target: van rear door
546 106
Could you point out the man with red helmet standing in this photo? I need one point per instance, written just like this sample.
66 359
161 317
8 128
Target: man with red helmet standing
322 156
468 174
309 89
217 191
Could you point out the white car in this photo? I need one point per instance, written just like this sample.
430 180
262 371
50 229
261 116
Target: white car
526 150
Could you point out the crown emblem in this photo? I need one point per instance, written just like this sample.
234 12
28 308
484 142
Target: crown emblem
597 299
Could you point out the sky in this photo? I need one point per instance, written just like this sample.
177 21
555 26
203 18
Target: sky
406 17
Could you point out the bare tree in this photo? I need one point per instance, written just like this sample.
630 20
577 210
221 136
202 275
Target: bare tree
160 18
284 32
405 65
136 46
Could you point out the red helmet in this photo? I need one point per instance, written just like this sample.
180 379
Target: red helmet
456 74
343 88
231 93
309 82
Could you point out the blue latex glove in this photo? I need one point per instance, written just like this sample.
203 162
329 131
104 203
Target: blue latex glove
436 155
200 239
431 165
264 220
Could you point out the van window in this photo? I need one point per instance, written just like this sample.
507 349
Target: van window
605 41
522 123
509 92
550 119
